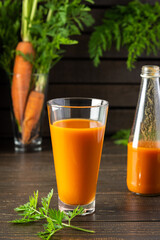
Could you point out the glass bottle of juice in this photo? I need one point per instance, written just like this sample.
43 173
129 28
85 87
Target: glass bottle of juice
143 160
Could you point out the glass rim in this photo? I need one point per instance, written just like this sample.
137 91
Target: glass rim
51 102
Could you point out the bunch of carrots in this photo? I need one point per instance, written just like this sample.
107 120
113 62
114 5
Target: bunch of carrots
39 50
27 106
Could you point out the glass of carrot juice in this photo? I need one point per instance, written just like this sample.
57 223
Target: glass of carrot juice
77 128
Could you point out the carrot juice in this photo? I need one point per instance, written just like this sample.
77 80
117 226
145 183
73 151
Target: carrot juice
143 168
77 146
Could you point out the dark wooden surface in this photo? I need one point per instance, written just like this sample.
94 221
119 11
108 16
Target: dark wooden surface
76 76
119 214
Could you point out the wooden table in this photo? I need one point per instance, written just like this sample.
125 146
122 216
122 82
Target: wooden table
119 214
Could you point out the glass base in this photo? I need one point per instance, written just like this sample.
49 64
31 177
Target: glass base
88 208
34 146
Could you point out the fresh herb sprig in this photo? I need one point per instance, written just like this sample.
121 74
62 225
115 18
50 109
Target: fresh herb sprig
30 212
135 26
121 137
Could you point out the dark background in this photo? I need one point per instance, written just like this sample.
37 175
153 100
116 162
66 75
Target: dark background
76 76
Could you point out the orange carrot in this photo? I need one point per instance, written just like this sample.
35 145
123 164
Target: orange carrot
21 80
32 114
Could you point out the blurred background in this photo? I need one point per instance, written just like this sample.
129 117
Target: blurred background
76 76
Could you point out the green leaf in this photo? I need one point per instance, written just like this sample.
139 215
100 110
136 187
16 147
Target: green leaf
27 57
9 32
54 218
77 211
22 208
46 202
121 142
56 215
90 1
135 26
63 20
52 25
121 137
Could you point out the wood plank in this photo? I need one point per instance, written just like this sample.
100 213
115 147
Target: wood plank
103 230
80 50
109 71
21 174
117 95
83 72
97 14
119 213
77 69
117 119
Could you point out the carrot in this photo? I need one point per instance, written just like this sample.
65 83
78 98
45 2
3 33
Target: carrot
32 114
21 80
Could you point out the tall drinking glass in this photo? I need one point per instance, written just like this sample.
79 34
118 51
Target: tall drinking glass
77 127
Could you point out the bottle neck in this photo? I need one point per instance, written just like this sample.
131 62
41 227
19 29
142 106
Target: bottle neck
146 124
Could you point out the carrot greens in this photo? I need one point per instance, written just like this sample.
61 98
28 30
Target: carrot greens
49 25
135 26
54 25
121 137
29 8
55 218
9 32
46 26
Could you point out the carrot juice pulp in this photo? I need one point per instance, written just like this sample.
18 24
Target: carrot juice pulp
77 146
143 168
